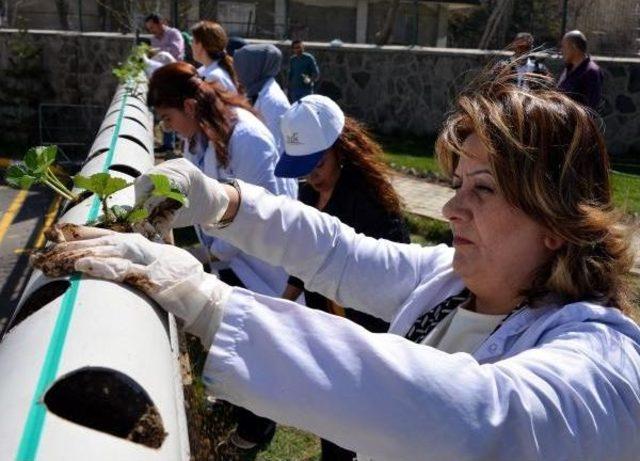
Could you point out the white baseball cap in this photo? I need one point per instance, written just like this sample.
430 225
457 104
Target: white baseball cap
309 127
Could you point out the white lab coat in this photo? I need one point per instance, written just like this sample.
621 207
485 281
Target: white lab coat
272 103
214 73
252 158
553 383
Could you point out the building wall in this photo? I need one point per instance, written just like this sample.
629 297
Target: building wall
394 89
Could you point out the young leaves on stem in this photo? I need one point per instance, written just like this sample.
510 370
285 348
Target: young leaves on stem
37 169
162 188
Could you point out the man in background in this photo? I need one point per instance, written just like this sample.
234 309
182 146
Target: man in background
525 62
582 78
303 72
167 45
165 38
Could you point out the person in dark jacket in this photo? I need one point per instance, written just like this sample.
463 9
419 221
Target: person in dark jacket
582 78
346 179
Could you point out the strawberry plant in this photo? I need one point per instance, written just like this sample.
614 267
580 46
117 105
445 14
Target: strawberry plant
132 67
37 168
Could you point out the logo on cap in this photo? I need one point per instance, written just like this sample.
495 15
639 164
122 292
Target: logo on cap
293 138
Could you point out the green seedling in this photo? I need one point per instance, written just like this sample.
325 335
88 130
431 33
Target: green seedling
162 188
104 185
132 67
37 168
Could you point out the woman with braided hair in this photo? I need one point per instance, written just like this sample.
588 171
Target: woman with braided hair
209 49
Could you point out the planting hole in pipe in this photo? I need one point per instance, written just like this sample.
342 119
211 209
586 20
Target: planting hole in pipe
105 129
44 295
136 140
135 120
95 154
136 107
109 401
126 169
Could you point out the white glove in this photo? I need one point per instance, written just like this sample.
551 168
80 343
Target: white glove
208 200
169 275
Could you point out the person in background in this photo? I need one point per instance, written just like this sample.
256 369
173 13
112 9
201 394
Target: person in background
209 43
226 141
164 40
303 72
257 67
346 178
234 44
581 78
523 60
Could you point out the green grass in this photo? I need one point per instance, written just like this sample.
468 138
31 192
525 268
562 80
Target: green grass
409 152
427 231
626 192
290 444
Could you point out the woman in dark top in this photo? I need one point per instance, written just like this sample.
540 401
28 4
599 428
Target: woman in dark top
345 177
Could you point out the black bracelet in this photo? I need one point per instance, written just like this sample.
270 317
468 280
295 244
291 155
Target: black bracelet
225 222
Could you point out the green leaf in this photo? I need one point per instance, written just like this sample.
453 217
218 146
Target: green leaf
38 159
113 185
83 182
18 176
162 188
120 212
177 196
161 184
137 215
101 184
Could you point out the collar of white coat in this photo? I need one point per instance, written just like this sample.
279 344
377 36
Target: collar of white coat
205 70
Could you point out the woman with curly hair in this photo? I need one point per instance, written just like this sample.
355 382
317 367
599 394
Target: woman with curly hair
345 178
515 344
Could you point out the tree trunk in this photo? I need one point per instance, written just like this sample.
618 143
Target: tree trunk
382 37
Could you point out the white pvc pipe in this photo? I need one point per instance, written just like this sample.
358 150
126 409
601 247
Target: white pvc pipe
113 330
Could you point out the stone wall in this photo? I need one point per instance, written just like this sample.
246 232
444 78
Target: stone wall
409 90
393 89
68 68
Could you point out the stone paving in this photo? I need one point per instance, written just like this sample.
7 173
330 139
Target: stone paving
426 199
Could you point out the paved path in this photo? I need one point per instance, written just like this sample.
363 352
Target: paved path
426 199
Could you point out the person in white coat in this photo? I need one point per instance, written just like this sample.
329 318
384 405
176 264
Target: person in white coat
512 345
257 67
226 141
209 49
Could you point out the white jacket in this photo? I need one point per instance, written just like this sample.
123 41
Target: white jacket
553 383
214 73
252 158
272 103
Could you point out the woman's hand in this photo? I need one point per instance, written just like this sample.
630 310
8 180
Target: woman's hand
169 275
208 200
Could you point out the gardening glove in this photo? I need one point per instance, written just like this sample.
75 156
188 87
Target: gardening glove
169 275
207 199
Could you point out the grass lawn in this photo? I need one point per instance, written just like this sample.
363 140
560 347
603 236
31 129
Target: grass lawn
290 444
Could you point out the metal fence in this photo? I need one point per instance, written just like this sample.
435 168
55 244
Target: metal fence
612 26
